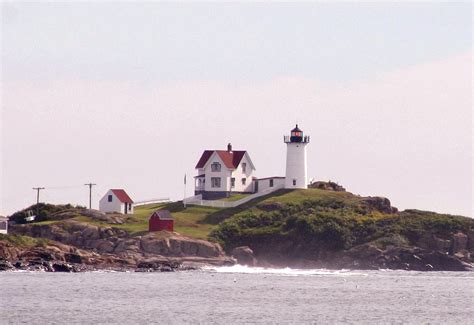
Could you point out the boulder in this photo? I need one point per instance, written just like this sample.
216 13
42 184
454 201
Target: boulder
460 241
381 204
6 265
106 247
327 186
244 256
152 245
131 245
62 267
207 249
470 236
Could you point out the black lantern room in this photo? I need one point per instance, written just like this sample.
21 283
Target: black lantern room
296 134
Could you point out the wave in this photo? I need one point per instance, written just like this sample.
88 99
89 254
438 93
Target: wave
244 269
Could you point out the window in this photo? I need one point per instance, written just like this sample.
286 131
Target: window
215 167
294 182
109 198
244 167
129 207
232 182
215 182
244 181
271 183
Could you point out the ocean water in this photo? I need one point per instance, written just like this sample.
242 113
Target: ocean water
234 295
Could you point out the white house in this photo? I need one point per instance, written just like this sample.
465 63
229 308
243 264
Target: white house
116 200
222 172
3 225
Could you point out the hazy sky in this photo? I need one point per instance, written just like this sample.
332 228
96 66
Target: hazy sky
129 95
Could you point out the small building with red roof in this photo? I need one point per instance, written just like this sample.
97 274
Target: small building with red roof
116 200
223 172
161 220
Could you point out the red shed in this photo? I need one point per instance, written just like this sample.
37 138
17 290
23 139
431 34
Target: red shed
161 220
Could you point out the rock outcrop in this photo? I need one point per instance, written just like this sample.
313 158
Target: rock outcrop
327 186
381 204
111 247
428 253
244 256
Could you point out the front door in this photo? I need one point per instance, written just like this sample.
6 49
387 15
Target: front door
126 208
256 186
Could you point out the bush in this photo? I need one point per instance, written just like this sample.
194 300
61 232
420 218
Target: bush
45 211
334 224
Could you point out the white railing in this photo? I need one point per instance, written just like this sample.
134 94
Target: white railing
160 200
197 200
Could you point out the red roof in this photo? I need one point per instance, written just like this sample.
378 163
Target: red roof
162 215
122 196
231 159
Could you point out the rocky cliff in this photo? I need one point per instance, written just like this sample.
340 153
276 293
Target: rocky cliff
337 229
91 246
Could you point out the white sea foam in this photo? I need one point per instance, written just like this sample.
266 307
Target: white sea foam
279 271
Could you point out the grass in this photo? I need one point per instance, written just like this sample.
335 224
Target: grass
313 211
235 197
24 241
199 221
188 222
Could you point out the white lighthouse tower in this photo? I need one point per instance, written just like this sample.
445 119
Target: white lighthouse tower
296 169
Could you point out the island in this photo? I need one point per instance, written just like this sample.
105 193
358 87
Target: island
323 226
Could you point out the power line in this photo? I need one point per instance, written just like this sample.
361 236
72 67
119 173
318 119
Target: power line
90 193
62 187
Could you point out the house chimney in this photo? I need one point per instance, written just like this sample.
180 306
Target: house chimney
229 147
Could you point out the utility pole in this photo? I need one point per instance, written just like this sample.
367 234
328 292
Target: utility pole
37 189
184 196
90 193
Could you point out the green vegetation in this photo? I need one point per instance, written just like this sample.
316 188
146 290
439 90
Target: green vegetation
24 241
235 197
43 212
335 220
310 218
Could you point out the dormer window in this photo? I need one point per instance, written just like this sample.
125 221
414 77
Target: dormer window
244 167
215 167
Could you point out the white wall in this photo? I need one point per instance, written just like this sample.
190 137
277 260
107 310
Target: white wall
264 184
238 174
296 165
224 174
114 206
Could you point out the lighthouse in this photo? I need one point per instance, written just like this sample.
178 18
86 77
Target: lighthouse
296 169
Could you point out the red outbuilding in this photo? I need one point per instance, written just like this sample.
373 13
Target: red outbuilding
161 220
